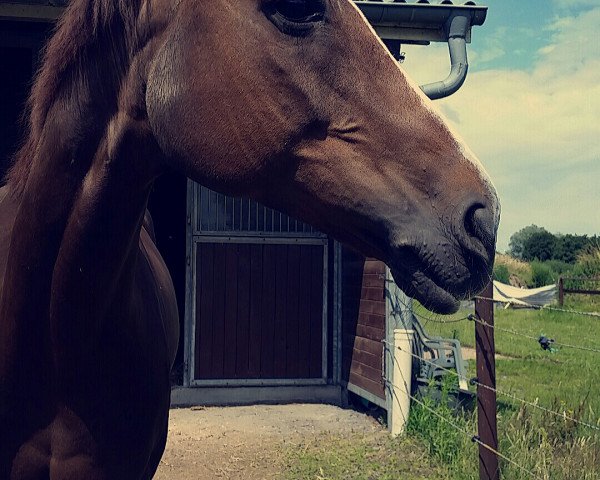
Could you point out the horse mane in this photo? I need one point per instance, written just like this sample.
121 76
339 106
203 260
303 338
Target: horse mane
87 27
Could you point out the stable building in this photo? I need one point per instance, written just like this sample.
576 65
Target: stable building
271 309
275 310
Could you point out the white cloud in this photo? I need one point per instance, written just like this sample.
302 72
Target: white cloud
536 130
427 64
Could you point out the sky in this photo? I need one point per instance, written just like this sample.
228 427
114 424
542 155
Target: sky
530 109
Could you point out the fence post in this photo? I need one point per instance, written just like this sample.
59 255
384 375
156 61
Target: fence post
486 375
561 291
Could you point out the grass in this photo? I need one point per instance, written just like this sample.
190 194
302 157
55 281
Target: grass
566 381
569 375
362 457
551 448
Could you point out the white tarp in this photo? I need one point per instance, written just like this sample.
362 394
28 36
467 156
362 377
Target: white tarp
538 297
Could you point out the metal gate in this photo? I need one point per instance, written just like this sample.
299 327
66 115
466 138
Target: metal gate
256 312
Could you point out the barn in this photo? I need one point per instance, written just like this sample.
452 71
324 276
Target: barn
271 309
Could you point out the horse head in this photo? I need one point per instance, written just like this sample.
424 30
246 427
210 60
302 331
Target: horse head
298 104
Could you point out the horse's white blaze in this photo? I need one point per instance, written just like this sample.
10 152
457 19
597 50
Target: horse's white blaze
427 104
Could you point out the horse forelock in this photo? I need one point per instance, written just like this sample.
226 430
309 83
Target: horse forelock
85 24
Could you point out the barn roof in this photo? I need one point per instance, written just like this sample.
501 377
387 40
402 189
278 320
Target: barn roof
420 21
31 10
412 21
428 2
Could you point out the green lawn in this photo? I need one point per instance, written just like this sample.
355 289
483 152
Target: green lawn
566 381
547 447
567 376
362 457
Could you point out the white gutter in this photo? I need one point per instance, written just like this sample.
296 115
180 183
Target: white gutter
422 23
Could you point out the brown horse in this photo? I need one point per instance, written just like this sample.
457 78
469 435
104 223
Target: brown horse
295 103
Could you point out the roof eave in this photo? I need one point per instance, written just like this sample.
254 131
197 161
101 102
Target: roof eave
419 22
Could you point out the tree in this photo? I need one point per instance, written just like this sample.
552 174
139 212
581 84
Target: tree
568 247
539 246
518 239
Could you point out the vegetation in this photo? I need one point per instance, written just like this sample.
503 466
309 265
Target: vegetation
550 447
567 247
438 425
558 267
588 262
539 273
518 239
519 272
537 243
362 457
542 274
539 246
501 273
565 381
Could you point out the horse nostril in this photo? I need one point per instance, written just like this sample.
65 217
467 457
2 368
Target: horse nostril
480 224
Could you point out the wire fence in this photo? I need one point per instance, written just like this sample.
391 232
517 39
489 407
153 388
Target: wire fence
474 381
545 342
542 307
472 436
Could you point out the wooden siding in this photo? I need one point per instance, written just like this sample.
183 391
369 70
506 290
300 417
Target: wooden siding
363 322
259 311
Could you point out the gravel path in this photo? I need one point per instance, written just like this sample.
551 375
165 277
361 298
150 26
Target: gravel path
244 442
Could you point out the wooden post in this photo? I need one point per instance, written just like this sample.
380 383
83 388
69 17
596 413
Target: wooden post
561 291
486 375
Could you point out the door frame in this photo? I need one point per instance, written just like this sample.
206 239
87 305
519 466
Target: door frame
194 238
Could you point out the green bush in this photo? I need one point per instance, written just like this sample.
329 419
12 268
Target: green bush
541 275
501 273
559 267
517 268
588 263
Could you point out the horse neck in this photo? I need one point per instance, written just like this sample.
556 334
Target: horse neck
74 246
90 167
83 67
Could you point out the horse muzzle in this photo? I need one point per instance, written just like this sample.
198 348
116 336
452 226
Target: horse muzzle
442 269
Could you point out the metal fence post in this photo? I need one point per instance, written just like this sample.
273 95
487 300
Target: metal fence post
486 375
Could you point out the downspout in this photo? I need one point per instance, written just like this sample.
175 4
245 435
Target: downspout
457 26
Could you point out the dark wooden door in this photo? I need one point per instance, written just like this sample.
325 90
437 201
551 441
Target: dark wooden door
259 311
259 295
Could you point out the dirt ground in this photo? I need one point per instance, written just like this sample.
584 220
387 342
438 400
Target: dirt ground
471 354
245 442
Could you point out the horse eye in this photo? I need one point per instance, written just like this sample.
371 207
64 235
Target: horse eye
295 17
300 10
